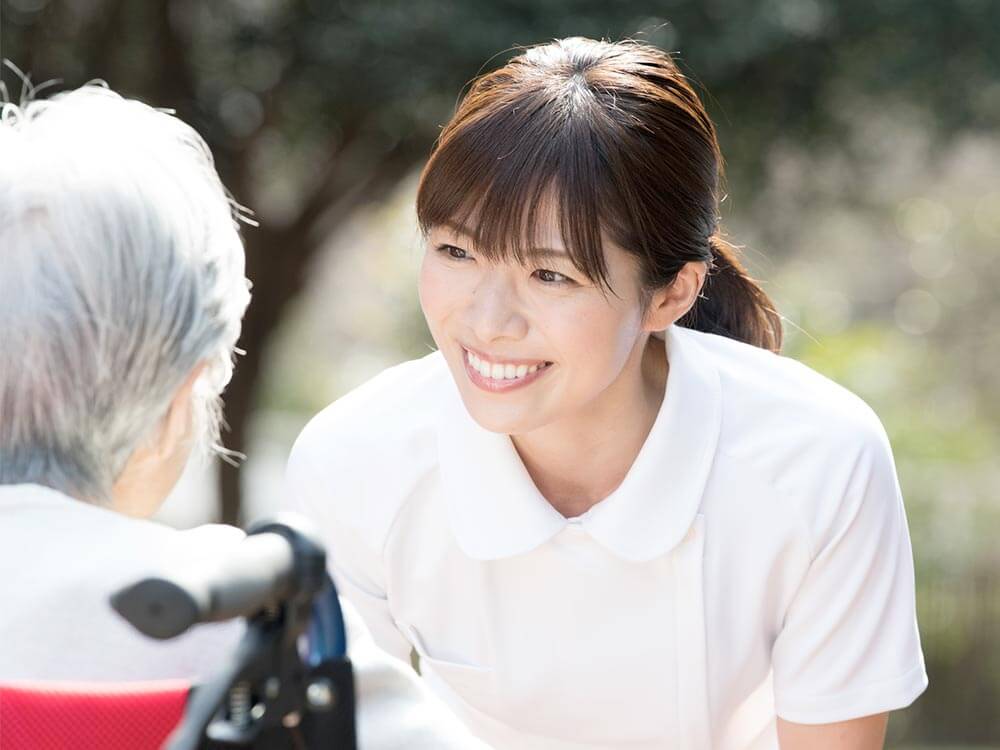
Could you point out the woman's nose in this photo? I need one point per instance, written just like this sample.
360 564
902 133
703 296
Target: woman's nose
494 312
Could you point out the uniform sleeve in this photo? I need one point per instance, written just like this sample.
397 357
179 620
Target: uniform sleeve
331 494
849 645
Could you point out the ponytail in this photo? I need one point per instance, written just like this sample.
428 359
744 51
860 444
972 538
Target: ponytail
732 304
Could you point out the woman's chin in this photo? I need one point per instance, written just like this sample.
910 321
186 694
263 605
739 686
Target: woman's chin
503 418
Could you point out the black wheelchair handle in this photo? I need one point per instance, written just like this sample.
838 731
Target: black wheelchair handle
256 574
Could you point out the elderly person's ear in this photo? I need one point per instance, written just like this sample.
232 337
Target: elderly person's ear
157 463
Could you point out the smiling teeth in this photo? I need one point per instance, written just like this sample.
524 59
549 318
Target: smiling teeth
498 371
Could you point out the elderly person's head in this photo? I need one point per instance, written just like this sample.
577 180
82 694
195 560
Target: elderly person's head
121 292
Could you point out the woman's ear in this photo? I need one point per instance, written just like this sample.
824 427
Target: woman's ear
672 302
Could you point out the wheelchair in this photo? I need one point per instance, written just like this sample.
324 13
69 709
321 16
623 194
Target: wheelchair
287 686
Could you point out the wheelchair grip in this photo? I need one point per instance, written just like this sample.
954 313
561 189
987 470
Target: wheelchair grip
259 572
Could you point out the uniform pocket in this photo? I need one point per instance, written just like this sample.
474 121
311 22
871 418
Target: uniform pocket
461 684
418 643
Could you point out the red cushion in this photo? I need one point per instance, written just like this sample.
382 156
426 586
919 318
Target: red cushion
90 716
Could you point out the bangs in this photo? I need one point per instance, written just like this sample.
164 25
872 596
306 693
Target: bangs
501 172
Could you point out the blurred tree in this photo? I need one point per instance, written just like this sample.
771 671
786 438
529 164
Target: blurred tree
314 108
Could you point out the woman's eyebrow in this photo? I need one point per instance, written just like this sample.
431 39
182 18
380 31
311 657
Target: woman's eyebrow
531 252
545 252
459 229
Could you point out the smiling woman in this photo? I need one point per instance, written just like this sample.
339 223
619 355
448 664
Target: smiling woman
605 513
503 314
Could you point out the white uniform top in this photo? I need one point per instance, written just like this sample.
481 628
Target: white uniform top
754 562
60 560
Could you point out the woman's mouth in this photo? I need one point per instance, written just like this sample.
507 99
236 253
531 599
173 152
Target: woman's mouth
496 375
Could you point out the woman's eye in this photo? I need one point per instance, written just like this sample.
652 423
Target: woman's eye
551 277
455 253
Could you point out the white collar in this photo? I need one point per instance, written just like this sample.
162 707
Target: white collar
496 511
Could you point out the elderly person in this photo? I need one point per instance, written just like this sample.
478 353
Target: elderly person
121 292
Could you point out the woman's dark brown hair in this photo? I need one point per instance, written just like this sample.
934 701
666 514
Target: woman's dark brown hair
617 136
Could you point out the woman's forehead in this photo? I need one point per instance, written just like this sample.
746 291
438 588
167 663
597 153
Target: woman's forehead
537 224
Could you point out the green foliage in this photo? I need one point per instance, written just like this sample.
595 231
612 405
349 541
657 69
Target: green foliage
894 372
774 69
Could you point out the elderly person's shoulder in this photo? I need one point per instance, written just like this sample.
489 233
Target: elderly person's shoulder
60 561
30 509
77 548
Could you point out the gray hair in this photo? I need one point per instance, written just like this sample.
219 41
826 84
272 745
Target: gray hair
121 268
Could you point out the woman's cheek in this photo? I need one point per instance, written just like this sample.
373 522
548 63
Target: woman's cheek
596 338
433 291
573 327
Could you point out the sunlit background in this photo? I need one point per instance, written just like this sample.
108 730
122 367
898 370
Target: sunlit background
863 150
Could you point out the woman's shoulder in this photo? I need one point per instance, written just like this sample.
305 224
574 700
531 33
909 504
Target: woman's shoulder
357 461
767 392
399 400
806 443
796 427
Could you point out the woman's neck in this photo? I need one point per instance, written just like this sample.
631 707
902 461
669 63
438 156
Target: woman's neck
580 460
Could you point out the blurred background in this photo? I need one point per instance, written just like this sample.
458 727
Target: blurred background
863 149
